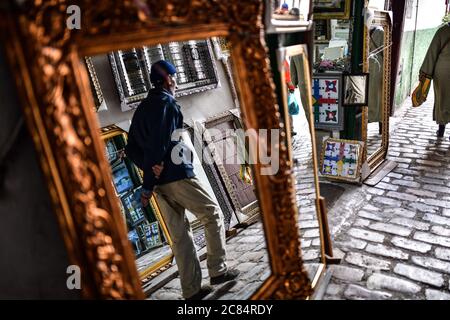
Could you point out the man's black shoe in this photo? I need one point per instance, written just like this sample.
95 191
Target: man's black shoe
227 276
203 292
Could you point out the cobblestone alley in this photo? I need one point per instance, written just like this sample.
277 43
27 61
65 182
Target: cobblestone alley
393 238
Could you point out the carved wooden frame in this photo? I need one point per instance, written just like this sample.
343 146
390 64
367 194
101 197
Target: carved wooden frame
52 81
381 18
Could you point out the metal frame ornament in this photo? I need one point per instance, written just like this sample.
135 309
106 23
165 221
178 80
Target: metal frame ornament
53 84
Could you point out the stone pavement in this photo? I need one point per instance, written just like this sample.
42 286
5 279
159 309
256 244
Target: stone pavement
397 246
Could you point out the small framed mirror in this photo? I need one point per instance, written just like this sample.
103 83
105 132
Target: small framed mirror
356 89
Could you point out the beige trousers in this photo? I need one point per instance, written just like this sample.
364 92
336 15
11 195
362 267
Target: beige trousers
173 198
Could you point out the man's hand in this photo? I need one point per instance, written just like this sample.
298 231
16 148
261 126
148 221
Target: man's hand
157 169
145 197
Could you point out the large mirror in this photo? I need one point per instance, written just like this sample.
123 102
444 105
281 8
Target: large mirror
297 102
90 179
213 131
377 51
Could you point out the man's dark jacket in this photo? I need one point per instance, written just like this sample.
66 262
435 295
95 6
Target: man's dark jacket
150 139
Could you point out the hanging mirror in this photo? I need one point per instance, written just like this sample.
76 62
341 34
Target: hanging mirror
377 62
196 69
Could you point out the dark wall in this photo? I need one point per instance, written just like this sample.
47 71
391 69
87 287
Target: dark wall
33 260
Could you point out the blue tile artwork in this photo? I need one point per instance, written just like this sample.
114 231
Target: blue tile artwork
341 159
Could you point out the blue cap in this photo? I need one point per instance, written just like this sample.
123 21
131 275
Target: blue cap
285 6
160 70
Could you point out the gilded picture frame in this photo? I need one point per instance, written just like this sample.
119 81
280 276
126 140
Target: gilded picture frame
381 18
53 84
326 9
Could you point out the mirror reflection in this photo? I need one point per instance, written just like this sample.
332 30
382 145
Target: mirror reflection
290 10
332 41
174 138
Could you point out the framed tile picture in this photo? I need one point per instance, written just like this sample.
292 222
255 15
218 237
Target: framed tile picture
327 104
341 159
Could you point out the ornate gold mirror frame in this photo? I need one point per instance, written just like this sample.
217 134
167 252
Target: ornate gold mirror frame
96 88
53 84
381 18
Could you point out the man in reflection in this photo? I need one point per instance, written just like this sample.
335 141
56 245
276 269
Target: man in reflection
151 148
